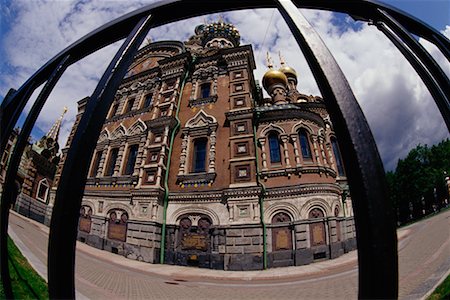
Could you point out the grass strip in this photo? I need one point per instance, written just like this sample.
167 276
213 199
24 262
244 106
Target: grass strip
26 282
442 291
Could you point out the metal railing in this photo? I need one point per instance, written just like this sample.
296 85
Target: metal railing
374 218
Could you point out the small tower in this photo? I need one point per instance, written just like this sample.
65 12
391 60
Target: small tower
48 145
275 83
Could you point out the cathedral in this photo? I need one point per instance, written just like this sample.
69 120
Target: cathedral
195 167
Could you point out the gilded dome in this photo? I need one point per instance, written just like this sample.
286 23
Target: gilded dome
288 71
274 77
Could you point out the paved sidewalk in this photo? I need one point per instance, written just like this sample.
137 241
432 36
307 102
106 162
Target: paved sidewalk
347 261
423 261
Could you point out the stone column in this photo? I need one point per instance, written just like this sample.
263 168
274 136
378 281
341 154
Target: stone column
284 139
256 211
262 142
183 154
322 151
316 150
120 157
140 159
231 212
330 156
212 153
102 163
296 151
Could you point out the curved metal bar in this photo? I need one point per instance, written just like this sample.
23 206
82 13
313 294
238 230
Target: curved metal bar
377 241
63 227
433 76
435 89
9 191
367 166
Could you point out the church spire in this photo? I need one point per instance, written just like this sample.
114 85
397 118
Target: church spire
54 131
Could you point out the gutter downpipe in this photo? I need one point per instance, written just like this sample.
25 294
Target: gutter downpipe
166 175
262 194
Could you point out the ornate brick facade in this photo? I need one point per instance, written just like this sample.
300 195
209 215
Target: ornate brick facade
236 161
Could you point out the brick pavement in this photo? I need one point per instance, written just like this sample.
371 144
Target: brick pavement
101 275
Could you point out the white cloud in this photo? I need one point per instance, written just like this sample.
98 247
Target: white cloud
396 103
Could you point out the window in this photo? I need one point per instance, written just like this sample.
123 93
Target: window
274 148
131 159
148 100
157 139
129 105
199 161
237 74
151 177
205 90
242 173
112 161
239 102
241 148
238 87
153 157
96 163
304 144
337 156
42 190
113 110
240 128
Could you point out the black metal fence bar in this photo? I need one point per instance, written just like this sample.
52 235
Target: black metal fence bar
63 228
430 72
435 90
10 192
343 108
10 110
377 241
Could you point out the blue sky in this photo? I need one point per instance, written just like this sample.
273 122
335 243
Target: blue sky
397 105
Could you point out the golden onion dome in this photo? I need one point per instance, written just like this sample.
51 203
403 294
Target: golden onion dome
274 77
288 71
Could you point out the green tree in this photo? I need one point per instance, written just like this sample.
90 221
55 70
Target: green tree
417 186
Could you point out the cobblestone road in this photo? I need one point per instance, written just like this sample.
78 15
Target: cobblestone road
424 259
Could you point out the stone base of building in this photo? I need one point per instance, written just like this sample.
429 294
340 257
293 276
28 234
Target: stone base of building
143 240
32 208
233 248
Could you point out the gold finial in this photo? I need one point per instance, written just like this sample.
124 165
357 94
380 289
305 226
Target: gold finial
220 19
269 61
148 41
282 62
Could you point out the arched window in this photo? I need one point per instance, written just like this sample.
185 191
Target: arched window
42 191
131 159
199 155
205 90
148 100
113 110
129 105
112 161
304 144
274 148
337 156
